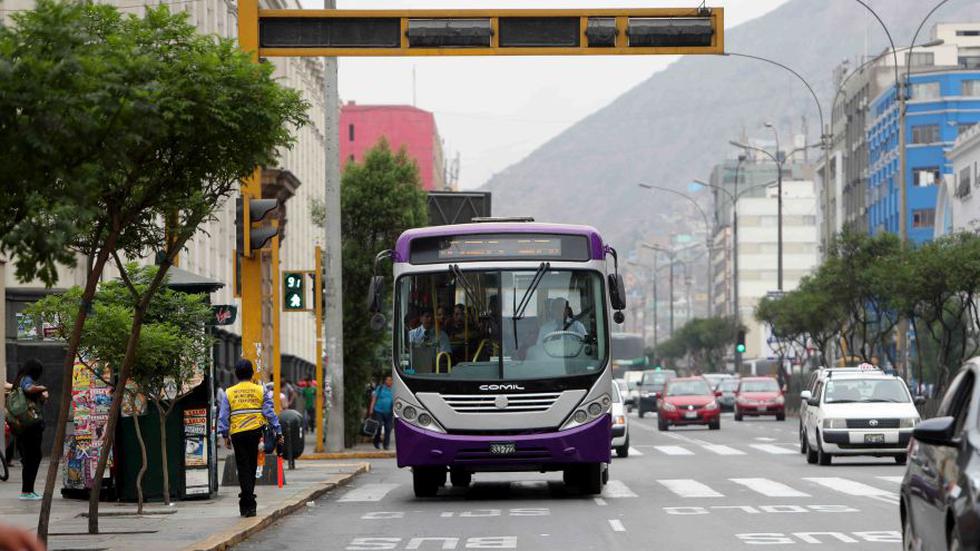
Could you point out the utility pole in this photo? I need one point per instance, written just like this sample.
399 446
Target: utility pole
334 326
318 315
671 287
738 313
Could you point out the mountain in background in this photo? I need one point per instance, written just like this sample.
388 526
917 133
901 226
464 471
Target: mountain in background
675 126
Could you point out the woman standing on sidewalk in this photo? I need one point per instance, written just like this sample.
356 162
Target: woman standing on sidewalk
29 439
382 407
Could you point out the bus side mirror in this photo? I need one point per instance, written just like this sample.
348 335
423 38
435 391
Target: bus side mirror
376 291
617 292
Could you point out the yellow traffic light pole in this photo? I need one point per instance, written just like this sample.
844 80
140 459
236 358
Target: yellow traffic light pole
318 313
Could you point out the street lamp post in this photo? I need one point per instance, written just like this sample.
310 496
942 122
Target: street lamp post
671 255
779 211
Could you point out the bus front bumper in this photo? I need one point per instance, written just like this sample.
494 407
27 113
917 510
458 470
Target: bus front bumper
549 451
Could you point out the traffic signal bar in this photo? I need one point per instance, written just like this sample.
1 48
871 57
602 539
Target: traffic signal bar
640 31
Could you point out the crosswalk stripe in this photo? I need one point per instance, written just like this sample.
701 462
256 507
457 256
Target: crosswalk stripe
616 488
368 492
686 487
765 439
849 487
634 451
892 479
769 488
722 449
674 450
772 448
617 525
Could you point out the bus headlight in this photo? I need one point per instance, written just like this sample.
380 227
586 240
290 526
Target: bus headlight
409 413
425 419
416 415
580 416
595 409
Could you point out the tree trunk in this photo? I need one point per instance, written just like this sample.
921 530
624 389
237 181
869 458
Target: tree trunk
58 449
139 476
163 452
115 406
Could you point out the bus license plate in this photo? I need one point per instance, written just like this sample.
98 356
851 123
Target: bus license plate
503 448
874 438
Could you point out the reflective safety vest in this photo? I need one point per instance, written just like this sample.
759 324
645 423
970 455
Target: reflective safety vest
245 401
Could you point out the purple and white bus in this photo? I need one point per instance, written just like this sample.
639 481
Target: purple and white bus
501 351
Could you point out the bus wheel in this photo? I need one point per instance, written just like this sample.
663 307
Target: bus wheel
426 481
460 478
590 478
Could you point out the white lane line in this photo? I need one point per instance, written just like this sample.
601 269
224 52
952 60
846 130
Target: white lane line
617 525
616 488
722 449
600 502
849 487
368 492
765 439
768 487
674 450
773 449
686 487
634 451
892 479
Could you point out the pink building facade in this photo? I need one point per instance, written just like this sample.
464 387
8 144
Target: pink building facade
362 126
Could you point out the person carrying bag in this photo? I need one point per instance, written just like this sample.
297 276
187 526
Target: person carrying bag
382 412
26 419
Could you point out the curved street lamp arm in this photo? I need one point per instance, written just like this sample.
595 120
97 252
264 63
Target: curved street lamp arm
754 148
890 41
704 215
816 100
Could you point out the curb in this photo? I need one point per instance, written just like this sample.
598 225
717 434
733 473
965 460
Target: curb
347 455
249 527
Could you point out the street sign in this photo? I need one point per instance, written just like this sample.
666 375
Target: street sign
294 292
223 314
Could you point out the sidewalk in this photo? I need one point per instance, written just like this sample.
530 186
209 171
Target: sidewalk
189 525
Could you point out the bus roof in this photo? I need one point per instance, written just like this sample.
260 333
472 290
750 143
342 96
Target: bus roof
403 245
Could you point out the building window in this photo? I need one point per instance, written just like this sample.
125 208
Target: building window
963 183
963 127
350 132
969 62
925 133
923 218
925 90
926 176
968 32
971 88
920 59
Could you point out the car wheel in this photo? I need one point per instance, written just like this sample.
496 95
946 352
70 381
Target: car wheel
908 534
624 450
714 425
640 413
662 425
902 459
823 457
803 444
811 454
738 415
781 417
460 479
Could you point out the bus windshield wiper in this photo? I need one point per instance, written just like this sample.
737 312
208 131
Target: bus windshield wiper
466 285
526 300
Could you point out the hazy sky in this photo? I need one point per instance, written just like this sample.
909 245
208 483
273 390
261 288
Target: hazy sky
494 111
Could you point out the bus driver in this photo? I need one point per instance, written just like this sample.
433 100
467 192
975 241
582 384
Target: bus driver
559 321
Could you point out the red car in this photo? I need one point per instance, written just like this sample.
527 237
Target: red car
688 401
759 396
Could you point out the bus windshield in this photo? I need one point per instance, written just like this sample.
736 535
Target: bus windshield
500 324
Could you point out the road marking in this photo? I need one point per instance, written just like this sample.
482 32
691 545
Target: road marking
674 450
764 439
600 502
368 492
616 488
768 487
686 487
773 449
850 487
617 525
634 451
892 479
722 449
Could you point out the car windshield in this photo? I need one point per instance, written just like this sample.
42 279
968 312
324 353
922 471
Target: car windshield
615 394
688 388
656 378
843 391
728 385
766 385
500 325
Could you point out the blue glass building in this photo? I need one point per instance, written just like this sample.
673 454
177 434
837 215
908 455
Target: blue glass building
943 103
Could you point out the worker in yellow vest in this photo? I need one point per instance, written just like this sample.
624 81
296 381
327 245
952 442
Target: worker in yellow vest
243 412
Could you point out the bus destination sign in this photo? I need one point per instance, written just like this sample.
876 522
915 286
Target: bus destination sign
471 248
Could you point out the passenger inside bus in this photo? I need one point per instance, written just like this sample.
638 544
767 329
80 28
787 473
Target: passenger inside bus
425 343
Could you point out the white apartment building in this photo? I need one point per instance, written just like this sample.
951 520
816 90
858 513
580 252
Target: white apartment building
958 202
300 174
757 254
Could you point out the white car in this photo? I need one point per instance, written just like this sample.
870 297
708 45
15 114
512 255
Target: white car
858 413
632 397
620 427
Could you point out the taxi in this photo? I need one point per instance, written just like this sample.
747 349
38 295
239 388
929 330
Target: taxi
858 412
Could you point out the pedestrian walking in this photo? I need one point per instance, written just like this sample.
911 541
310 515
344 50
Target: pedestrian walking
309 397
242 417
382 407
26 420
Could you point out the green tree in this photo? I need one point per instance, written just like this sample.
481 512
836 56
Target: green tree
161 124
703 339
380 198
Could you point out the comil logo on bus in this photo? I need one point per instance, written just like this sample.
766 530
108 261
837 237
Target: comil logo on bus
501 387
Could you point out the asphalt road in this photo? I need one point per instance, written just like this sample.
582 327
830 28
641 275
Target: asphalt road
743 487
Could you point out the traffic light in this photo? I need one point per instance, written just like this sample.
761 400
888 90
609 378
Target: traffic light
247 212
294 291
740 342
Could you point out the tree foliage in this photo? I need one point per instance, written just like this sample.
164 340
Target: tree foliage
380 198
704 340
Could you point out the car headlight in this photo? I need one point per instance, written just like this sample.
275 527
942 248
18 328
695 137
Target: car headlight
779 399
669 407
908 422
835 423
711 405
